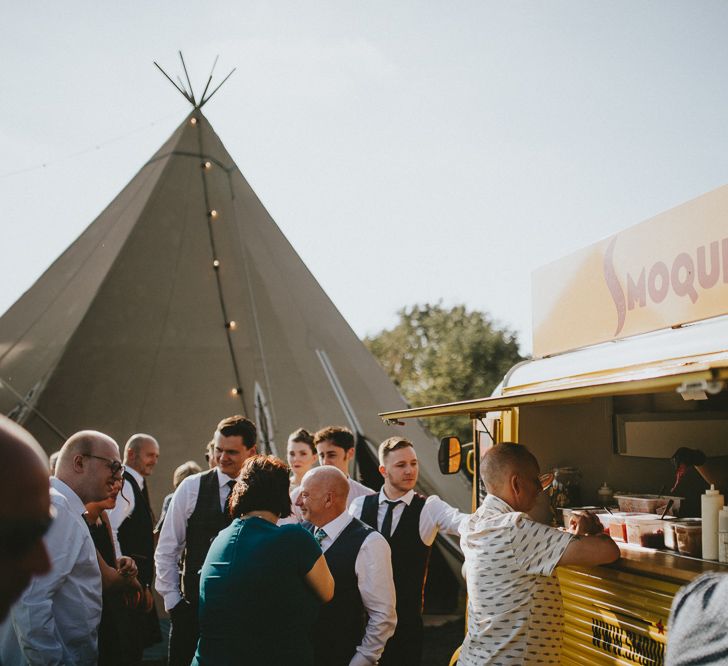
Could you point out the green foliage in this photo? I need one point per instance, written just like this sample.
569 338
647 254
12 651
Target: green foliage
436 355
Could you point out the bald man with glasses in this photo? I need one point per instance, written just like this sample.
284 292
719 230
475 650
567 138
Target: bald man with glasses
56 619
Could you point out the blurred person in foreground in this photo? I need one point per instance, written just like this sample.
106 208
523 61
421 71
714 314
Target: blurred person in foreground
25 512
197 512
355 626
698 625
119 583
261 585
515 612
56 619
301 455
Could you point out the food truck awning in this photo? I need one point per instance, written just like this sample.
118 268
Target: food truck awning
654 362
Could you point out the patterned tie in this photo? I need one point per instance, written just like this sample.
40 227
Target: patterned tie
387 522
319 535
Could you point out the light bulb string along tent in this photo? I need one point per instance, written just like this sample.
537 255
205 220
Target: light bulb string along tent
211 213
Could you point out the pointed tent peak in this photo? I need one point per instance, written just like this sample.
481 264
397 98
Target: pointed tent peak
189 95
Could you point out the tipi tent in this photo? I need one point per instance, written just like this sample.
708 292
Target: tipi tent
183 303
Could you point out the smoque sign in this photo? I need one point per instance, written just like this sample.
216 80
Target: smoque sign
669 270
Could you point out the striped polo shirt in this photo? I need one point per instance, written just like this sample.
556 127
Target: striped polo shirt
515 614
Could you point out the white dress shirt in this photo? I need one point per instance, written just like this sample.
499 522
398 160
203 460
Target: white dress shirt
55 621
373 568
125 504
173 537
437 515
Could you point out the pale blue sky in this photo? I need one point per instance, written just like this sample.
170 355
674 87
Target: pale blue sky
410 151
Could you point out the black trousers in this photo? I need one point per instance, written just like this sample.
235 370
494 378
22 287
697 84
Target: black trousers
184 633
405 646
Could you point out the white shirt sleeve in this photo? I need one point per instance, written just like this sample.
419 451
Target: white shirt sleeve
172 540
438 516
373 569
32 616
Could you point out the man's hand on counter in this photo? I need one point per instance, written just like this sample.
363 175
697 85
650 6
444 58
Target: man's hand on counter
585 523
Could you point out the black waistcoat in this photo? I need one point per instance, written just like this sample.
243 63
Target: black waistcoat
136 537
341 622
410 556
202 527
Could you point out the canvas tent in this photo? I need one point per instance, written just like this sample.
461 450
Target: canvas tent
129 330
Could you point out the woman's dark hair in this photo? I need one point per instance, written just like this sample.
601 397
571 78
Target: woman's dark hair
304 436
262 486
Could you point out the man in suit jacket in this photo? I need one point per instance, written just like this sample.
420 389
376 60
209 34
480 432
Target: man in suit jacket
354 626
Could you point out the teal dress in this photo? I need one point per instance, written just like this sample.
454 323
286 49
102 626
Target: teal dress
255 606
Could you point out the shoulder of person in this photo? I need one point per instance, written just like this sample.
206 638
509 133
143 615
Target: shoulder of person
192 479
357 504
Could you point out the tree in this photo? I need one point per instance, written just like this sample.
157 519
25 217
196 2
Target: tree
436 355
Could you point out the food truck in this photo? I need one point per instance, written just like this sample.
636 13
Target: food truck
630 362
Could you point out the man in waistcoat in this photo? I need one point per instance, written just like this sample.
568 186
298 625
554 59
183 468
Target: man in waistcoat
355 625
132 522
409 522
197 512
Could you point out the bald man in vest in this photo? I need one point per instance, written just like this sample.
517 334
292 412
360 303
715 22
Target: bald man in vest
355 625
132 521
409 522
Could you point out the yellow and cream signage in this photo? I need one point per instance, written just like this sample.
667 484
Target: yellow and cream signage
669 270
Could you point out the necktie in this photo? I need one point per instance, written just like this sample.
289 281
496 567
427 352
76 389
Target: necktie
145 495
226 510
387 522
319 535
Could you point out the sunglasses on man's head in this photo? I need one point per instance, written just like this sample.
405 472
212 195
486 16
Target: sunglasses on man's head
17 537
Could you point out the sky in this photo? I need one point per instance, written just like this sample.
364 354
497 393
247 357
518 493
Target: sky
412 152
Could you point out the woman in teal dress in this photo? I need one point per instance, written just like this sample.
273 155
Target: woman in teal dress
261 585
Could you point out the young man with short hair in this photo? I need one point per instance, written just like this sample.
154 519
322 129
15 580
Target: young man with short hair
197 512
410 522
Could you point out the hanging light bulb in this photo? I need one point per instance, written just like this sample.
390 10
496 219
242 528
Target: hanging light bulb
236 391
193 121
231 325
206 165
212 214
216 264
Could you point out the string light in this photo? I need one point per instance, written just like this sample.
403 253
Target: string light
206 165
236 391
216 264
193 121
212 214
231 325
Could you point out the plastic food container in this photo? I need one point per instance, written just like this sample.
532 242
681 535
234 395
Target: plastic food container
647 531
648 503
616 524
670 537
689 537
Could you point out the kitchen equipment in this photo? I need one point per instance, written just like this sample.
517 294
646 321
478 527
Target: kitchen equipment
711 503
605 494
616 524
566 487
723 534
647 503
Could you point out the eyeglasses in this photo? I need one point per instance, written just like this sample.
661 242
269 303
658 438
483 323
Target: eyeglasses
117 469
18 537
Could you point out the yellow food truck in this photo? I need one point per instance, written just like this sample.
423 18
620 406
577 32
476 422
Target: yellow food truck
630 363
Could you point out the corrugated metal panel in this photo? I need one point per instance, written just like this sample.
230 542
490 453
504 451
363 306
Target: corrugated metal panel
612 617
